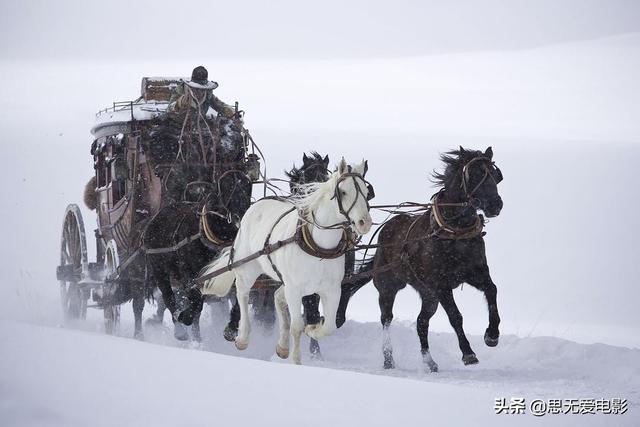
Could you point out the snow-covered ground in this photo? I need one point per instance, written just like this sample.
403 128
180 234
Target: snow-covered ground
563 124
61 377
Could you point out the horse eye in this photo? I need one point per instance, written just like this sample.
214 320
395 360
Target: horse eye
344 193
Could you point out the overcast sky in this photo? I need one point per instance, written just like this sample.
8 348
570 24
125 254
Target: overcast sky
116 29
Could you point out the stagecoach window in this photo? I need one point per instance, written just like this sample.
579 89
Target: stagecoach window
118 189
107 170
119 169
101 172
117 174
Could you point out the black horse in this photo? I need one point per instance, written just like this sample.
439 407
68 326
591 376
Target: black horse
208 200
314 169
438 251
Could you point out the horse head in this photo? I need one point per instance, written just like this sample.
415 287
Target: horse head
313 169
472 176
352 195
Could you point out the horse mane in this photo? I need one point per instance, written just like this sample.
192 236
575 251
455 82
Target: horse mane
296 173
454 161
310 195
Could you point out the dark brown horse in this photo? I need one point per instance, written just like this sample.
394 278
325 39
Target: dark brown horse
208 191
438 251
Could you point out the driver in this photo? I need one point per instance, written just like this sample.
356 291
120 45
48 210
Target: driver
198 93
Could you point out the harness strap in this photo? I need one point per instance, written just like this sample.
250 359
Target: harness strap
309 246
173 248
445 231
266 243
264 251
206 230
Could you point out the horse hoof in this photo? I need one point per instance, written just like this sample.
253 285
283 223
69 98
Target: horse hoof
433 367
241 345
314 351
138 335
389 364
186 318
312 330
283 353
469 359
180 332
230 334
489 341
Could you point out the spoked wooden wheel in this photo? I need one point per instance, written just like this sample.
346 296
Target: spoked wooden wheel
73 265
110 304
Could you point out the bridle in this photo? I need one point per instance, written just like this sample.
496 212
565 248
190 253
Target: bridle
446 230
490 171
338 194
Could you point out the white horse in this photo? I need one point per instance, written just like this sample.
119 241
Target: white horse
328 209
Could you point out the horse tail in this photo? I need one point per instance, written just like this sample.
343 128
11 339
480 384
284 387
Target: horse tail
219 285
90 197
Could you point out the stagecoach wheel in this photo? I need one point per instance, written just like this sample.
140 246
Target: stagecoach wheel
110 307
74 265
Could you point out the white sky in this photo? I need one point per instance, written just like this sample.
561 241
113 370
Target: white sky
118 29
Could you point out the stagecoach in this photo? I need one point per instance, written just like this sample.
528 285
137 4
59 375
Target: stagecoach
142 165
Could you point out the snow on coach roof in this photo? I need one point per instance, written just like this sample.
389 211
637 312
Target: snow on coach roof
125 112
153 102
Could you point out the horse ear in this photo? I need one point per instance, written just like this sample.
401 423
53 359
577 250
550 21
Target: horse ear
461 150
342 166
489 153
305 159
366 168
326 161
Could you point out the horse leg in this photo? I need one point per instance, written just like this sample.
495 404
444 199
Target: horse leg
231 330
484 283
294 300
194 303
164 284
243 287
429 307
284 320
311 305
195 329
159 316
138 306
330 300
387 295
348 289
455 319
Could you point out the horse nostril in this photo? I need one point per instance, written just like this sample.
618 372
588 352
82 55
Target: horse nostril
361 223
